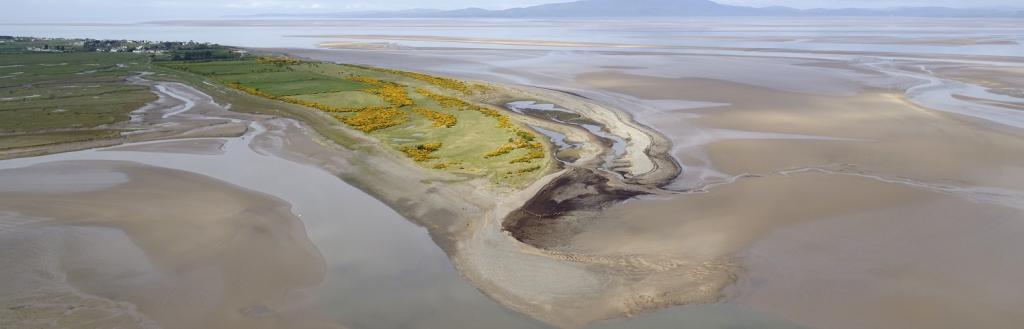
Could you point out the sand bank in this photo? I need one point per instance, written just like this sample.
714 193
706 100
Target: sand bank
227 270
884 165
873 130
507 42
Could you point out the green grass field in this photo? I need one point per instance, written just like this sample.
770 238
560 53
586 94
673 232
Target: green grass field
60 95
19 47
353 98
272 79
372 100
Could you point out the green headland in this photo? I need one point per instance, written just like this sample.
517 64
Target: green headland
71 91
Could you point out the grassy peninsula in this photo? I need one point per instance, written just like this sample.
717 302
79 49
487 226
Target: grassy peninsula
56 91
430 119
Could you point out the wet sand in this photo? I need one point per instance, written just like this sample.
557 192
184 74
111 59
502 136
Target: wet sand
856 253
846 211
210 260
945 263
877 131
759 155
197 146
904 151
830 188
720 223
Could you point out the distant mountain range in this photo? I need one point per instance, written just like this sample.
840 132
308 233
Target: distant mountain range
665 8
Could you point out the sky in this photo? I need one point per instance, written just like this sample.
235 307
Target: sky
141 10
804 4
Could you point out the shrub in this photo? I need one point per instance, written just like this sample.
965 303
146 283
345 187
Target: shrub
391 92
277 60
535 148
529 156
446 83
421 152
369 120
444 101
527 169
437 118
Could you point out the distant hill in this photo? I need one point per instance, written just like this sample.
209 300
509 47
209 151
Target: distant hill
663 8
621 8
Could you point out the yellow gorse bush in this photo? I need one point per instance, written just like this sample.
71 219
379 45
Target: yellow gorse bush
328 108
391 92
277 60
458 104
446 83
529 156
421 152
444 101
369 120
515 144
437 118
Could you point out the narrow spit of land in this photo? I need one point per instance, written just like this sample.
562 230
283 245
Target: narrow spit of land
432 120
59 92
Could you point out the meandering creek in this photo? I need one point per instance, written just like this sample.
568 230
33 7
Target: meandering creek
563 116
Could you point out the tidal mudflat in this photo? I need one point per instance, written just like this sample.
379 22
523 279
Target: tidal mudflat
719 178
91 240
807 175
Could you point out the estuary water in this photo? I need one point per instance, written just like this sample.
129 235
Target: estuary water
989 36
